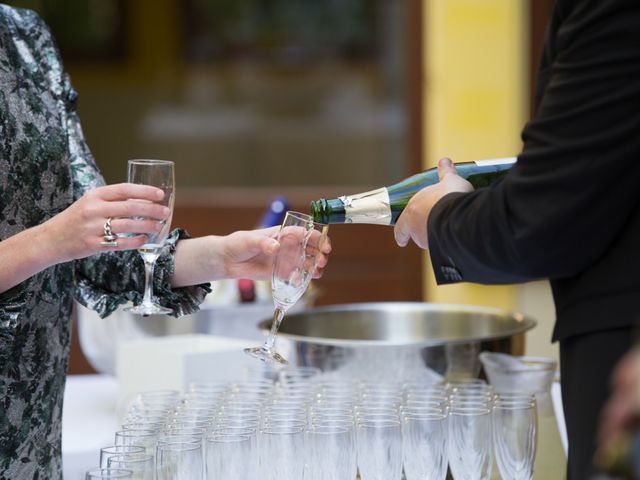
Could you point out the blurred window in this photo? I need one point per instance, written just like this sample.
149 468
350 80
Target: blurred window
270 93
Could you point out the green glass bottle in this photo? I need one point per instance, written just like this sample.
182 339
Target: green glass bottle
384 205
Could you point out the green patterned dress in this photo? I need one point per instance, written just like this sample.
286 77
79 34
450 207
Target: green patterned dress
45 165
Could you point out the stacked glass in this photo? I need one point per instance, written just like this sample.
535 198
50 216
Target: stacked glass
378 432
424 431
470 454
302 424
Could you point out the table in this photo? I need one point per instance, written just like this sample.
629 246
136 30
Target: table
88 422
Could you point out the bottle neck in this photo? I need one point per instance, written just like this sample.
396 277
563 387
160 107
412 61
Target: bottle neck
371 207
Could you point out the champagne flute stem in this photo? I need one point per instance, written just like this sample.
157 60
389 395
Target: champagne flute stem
149 267
278 315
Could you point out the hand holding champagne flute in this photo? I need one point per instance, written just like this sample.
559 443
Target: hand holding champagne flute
301 244
160 174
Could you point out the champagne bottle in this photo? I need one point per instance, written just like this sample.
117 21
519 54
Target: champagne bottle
384 205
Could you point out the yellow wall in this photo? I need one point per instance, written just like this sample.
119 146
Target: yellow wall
476 97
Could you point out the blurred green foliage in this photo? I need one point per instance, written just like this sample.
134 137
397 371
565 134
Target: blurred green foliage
282 30
83 28
286 29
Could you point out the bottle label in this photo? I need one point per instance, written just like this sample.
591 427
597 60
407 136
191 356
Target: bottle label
496 161
368 207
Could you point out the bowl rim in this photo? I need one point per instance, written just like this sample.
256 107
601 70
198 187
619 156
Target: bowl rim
523 323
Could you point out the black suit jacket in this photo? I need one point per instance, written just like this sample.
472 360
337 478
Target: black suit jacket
569 210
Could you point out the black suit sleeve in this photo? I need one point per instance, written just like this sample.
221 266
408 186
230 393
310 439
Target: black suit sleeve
577 180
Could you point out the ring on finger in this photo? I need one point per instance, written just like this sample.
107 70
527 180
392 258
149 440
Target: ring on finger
109 239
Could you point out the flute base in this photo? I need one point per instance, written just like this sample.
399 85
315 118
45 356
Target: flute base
266 355
148 309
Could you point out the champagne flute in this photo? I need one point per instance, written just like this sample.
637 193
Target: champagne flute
301 241
160 174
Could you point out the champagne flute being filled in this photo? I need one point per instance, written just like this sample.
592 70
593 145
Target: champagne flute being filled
301 241
160 174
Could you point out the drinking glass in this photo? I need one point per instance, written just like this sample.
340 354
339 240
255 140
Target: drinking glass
143 424
514 438
142 465
469 449
115 450
379 449
179 461
144 438
108 474
424 445
301 240
160 174
280 450
231 456
331 452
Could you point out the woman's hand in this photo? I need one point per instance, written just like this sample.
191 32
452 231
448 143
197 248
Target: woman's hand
249 254
78 231
412 223
242 254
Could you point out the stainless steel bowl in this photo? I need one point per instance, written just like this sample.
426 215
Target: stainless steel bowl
394 340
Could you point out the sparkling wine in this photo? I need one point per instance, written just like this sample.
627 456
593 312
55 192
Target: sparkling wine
384 205
150 249
286 294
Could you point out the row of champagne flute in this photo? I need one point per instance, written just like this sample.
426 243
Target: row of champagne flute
307 427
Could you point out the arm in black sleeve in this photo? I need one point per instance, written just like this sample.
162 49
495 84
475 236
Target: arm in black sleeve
576 182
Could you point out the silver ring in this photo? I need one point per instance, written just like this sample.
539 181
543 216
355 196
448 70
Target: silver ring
109 239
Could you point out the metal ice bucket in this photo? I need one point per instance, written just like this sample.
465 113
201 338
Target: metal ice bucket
394 341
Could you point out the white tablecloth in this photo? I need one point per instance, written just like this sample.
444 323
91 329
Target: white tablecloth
88 422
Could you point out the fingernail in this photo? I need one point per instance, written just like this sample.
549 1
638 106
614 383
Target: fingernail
166 211
159 194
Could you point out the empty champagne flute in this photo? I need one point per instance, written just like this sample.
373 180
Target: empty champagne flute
114 450
179 461
424 444
514 437
379 448
231 455
469 442
142 465
280 454
331 452
160 174
301 241
109 474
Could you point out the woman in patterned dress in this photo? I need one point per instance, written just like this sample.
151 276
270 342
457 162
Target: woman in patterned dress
53 205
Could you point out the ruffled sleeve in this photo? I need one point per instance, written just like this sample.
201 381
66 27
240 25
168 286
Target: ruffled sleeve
104 282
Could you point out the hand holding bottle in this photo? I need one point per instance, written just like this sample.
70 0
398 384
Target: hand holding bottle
384 205
412 223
